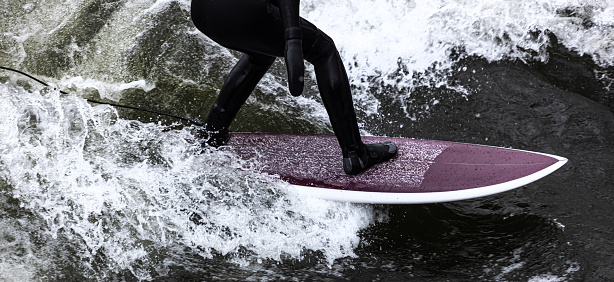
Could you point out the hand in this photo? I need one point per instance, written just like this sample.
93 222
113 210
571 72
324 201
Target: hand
295 66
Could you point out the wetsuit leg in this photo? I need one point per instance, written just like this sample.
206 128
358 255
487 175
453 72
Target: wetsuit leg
337 97
335 91
239 84
239 25
254 27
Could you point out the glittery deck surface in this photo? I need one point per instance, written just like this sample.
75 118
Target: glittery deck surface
420 166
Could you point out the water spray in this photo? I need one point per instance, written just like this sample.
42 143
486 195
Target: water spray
195 122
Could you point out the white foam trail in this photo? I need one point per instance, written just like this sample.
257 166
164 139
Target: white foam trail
108 90
375 34
128 190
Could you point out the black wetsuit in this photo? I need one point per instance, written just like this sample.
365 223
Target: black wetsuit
263 30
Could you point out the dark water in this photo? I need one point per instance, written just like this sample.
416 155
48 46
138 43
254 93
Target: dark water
94 193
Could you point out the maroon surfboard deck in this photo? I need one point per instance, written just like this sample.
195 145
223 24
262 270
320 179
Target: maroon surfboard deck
422 169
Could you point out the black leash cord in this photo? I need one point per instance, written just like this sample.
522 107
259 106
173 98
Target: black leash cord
110 104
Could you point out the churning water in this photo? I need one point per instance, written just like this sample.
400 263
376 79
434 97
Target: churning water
90 192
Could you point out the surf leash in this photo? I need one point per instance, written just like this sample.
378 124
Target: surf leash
195 122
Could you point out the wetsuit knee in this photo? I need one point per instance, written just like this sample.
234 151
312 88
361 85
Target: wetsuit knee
322 48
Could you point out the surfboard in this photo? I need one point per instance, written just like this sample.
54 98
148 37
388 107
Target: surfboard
424 171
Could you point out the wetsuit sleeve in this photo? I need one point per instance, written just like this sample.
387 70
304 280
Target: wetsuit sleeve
290 16
294 51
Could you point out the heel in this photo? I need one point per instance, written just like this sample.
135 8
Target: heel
353 164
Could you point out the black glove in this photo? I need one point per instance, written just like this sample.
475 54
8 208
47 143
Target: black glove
295 66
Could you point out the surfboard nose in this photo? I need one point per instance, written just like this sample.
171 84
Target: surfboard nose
465 166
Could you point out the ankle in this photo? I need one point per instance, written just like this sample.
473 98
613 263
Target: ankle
214 137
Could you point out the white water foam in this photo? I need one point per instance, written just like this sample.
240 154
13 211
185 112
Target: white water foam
376 34
130 191
399 39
